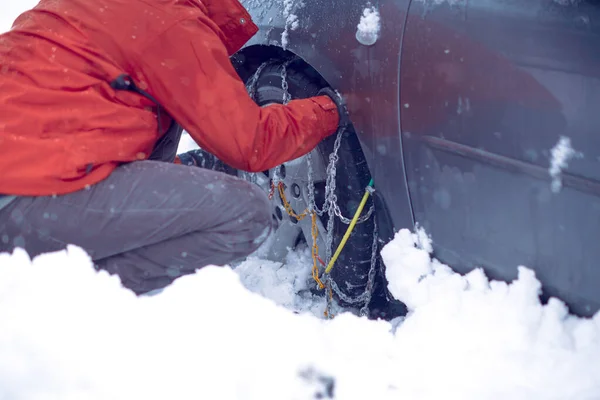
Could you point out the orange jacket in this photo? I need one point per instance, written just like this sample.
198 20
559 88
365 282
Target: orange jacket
62 126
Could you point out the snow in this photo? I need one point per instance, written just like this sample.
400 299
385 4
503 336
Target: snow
561 154
291 20
11 9
186 143
286 284
369 26
77 333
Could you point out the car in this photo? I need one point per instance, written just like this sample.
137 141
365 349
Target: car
477 120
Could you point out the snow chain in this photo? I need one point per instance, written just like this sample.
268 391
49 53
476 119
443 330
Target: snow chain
314 231
330 207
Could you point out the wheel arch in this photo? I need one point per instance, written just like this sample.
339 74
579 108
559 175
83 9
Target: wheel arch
247 61
323 34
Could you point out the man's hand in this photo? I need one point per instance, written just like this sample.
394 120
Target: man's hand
340 103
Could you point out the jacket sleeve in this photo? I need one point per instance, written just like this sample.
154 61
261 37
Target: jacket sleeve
188 70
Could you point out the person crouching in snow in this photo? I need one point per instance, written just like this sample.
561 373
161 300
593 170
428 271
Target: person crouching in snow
93 99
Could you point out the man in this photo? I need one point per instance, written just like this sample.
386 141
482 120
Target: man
92 97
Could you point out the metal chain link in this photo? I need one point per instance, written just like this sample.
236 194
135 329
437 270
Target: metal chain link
364 311
251 85
347 221
365 297
285 86
287 97
330 196
329 296
275 177
328 199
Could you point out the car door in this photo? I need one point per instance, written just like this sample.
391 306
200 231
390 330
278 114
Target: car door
501 137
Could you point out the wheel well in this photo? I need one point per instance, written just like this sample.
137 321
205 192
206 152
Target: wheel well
247 61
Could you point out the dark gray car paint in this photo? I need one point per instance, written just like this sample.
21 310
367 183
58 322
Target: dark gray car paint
457 107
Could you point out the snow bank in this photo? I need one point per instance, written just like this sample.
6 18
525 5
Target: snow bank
69 332
497 334
285 284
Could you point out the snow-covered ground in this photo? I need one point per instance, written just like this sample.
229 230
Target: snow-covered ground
69 332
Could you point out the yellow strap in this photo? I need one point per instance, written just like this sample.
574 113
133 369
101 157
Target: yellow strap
361 206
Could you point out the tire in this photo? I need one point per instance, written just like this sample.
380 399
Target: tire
350 272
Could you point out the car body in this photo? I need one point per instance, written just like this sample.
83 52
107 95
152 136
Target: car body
458 106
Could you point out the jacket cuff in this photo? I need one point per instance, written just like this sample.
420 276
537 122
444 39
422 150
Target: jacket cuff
328 113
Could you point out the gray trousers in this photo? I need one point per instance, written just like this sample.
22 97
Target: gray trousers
150 222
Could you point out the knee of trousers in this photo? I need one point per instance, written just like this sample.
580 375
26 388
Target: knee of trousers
259 215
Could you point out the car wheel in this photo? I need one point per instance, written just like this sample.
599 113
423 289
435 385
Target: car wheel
351 271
